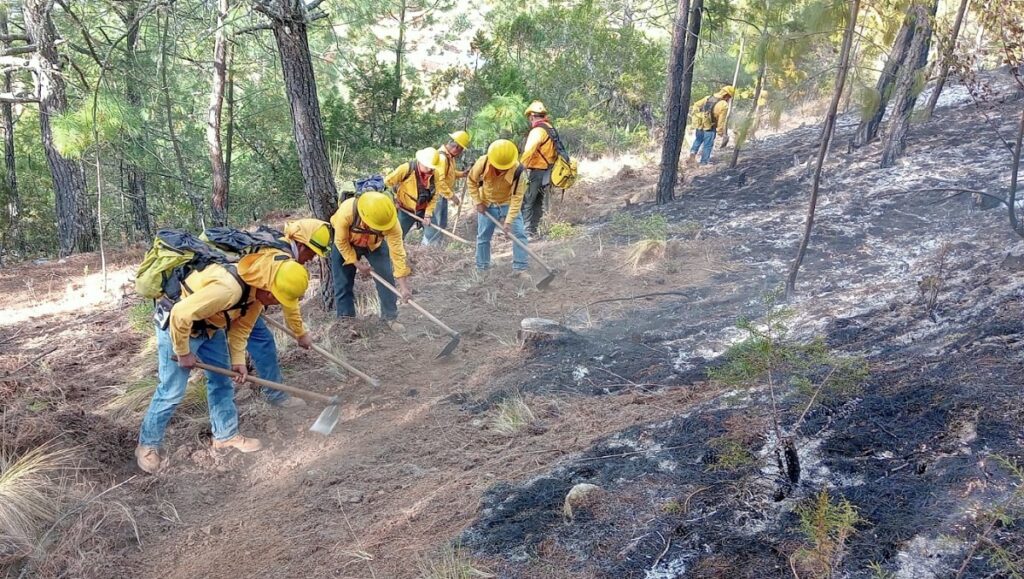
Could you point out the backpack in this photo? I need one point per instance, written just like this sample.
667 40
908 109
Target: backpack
240 242
565 169
174 256
705 115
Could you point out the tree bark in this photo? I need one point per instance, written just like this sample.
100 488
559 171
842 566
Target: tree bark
826 139
229 139
289 23
399 53
218 173
906 94
685 36
75 228
947 59
762 67
14 233
867 131
136 177
1014 174
186 183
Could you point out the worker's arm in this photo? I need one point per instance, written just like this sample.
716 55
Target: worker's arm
342 223
721 113
443 184
429 211
206 302
238 334
393 237
474 178
533 140
293 319
515 203
395 178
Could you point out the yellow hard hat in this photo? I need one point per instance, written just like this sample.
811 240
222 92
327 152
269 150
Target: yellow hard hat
502 154
729 90
428 158
313 233
290 283
377 210
461 138
536 108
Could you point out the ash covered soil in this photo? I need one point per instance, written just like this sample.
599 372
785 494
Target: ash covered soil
924 290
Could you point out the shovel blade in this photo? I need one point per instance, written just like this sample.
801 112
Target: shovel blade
454 343
327 420
544 283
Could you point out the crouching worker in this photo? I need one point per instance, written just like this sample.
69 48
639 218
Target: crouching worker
210 321
361 225
308 239
415 189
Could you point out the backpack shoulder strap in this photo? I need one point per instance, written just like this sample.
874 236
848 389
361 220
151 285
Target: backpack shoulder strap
515 179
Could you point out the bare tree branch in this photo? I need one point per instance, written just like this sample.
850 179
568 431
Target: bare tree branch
16 98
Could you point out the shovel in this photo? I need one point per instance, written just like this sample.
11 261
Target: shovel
440 229
544 283
324 423
455 335
349 367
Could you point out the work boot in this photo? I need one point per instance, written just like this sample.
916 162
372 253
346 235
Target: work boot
148 458
289 402
239 442
521 275
395 326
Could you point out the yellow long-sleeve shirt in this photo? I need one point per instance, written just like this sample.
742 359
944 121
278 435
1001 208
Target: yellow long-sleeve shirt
539 151
445 175
490 186
347 240
211 294
261 277
405 182
718 113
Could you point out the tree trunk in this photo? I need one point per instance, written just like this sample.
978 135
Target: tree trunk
826 139
186 183
289 22
136 178
218 173
685 36
14 233
75 228
399 53
947 59
867 131
906 90
1014 174
229 140
762 67
735 76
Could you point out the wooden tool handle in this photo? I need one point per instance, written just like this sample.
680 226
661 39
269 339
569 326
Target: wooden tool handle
419 308
441 229
297 392
516 241
352 369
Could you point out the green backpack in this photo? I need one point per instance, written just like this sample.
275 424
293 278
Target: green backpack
174 255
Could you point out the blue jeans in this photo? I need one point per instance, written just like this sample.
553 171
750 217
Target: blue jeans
345 281
705 139
220 391
407 221
485 230
263 350
440 219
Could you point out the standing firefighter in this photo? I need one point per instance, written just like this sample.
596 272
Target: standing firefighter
496 186
415 188
444 176
539 155
362 224
217 305
709 118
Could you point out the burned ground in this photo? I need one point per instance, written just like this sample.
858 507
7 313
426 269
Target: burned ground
924 290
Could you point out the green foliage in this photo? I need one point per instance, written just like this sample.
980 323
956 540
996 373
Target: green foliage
673 507
730 454
501 118
561 230
94 124
140 316
629 225
826 527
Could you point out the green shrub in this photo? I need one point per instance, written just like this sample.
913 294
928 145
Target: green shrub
654 226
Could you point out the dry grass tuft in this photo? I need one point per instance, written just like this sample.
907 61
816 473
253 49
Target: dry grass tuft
513 414
136 398
644 252
452 563
33 490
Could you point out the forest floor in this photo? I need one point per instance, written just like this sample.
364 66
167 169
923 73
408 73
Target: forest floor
922 290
